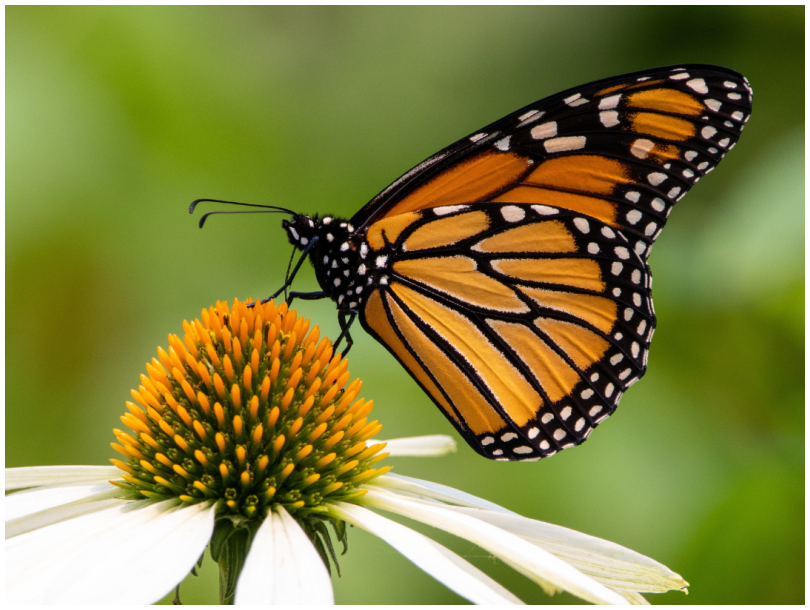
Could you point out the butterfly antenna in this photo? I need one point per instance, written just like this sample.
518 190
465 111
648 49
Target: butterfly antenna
266 209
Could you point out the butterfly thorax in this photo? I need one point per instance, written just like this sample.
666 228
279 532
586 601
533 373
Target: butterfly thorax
338 257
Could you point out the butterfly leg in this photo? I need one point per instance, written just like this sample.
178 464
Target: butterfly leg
344 330
291 276
306 296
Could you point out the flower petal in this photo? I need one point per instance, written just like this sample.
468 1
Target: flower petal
611 564
530 560
34 476
38 499
419 446
438 561
78 561
33 509
283 567
434 491
634 597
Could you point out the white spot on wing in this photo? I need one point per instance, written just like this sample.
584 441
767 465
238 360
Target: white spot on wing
582 225
609 103
544 130
713 104
545 210
449 209
697 84
708 131
512 213
656 178
565 144
609 118
633 216
503 143
641 148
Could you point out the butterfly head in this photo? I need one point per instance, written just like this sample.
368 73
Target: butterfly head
301 229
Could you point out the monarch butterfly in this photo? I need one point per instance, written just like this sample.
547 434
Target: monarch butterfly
507 273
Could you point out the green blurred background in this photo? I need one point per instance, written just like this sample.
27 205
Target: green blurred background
116 118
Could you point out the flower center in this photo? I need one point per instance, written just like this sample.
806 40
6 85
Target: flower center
249 409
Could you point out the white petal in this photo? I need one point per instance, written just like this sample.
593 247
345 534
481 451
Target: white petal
283 567
634 597
42 498
419 446
19 478
611 564
444 565
435 491
134 553
29 523
531 561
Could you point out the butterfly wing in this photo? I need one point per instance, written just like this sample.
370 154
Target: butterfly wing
518 295
622 150
524 323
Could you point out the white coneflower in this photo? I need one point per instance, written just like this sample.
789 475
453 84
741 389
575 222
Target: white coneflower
247 438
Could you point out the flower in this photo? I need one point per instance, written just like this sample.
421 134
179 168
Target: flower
248 438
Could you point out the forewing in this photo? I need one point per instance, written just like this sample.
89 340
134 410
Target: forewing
621 150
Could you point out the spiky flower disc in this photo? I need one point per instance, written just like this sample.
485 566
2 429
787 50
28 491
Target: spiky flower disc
249 409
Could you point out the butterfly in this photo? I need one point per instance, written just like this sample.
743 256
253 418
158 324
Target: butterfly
508 272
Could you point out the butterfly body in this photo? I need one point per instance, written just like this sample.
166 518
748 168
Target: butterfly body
508 272
337 253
